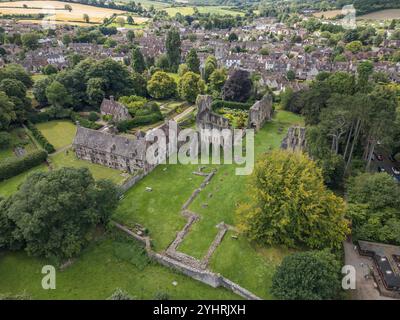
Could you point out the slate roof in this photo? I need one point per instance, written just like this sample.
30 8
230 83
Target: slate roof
105 142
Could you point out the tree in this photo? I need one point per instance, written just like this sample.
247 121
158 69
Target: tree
209 66
183 68
68 7
86 18
217 80
17 72
138 64
354 46
130 35
291 205
139 84
7 111
39 90
95 91
313 275
193 61
173 46
54 212
130 20
233 37
120 21
49 69
5 140
290 75
162 62
161 86
238 86
57 95
190 85
374 199
30 40
13 88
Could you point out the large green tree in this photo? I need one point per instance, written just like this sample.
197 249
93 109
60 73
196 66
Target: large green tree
138 64
7 111
53 213
193 61
57 95
173 46
313 275
290 204
161 86
190 85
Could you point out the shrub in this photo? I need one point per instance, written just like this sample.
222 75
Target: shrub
218 104
5 140
46 145
12 167
93 116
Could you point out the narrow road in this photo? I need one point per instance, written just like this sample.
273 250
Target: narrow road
183 114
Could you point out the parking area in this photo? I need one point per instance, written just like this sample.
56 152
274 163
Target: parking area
382 161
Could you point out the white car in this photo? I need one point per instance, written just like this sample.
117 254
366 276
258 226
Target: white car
396 171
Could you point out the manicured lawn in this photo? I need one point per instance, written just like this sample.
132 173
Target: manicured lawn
67 158
159 211
96 274
59 133
9 186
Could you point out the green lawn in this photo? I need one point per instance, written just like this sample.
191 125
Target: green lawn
159 211
68 158
96 273
60 133
18 138
9 186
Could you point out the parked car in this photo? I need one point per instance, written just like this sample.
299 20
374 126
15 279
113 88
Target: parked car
396 171
380 169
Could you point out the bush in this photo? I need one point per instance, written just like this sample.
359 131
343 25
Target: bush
5 140
125 125
12 167
218 104
46 145
93 116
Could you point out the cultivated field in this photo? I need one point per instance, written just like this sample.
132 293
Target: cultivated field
172 11
57 9
328 14
382 15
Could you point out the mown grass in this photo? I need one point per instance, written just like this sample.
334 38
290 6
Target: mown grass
96 273
67 158
60 133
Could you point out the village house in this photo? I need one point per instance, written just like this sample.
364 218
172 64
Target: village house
118 111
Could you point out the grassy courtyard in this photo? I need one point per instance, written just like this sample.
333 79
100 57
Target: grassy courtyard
60 133
159 211
19 138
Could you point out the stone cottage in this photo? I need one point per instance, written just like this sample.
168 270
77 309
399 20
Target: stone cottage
111 107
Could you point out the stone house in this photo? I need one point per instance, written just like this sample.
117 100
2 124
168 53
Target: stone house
118 111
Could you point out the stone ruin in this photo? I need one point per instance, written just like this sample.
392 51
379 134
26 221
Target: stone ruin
260 112
295 139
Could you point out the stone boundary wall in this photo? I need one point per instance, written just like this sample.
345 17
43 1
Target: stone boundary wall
212 279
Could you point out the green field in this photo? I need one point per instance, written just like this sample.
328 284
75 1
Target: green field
220 10
60 133
9 186
172 185
18 138
67 158
96 273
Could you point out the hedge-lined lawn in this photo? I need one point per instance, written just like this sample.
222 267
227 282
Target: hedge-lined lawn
9 186
18 138
60 133
96 273
67 158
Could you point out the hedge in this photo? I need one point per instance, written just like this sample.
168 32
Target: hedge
139 120
52 114
11 167
46 145
218 104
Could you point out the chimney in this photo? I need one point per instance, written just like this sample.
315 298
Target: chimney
112 98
